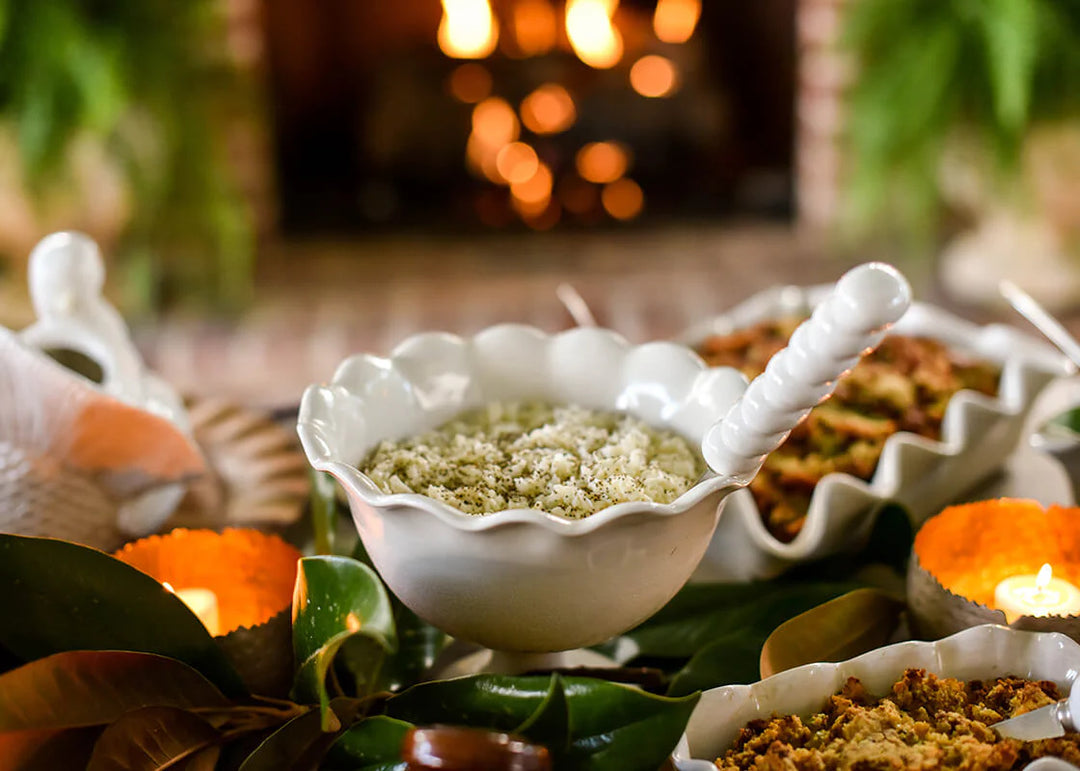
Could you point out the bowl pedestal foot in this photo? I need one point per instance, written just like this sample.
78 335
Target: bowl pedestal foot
517 662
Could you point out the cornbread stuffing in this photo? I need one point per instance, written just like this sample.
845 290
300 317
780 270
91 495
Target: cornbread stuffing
903 385
565 460
926 723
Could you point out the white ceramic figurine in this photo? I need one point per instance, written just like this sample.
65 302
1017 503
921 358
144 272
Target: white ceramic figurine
89 462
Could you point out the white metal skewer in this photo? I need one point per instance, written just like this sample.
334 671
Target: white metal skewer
575 305
1028 307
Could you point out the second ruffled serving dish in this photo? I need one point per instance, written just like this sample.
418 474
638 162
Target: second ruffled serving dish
981 652
978 433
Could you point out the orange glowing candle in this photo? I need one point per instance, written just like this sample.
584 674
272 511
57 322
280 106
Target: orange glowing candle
202 602
1037 595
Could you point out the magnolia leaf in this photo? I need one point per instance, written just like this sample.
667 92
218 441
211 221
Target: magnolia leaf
702 614
549 725
419 643
46 749
711 634
840 629
612 726
731 658
324 505
203 760
339 601
86 688
373 744
67 597
152 739
300 744
1065 424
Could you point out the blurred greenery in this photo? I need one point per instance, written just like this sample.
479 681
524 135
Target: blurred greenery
149 80
931 72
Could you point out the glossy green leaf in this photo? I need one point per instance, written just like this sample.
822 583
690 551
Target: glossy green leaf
152 739
339 601
324 505
373 744
419 643
85 688
711 634
839 629
612 726
1065 424
702 614
549 725
66 597
730 658
301 743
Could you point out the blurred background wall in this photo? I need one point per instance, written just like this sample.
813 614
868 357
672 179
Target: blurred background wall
332 175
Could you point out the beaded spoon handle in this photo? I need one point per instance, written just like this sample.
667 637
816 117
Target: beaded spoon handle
848 323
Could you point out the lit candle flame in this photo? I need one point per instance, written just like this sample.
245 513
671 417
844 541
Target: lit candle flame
1042 579
592 35
202 602
468 29
1037 595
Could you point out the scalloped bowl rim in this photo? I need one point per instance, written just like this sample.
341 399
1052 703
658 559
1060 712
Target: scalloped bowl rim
971 640
309 431
884 484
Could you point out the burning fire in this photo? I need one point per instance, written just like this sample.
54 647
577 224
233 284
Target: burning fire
596 181
468 29
594 38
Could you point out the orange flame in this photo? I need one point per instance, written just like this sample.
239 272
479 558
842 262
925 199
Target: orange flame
592 34
468 29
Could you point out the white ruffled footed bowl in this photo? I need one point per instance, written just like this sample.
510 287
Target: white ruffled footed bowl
979 433
978 653
529 581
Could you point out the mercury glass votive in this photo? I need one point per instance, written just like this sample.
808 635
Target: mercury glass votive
239 583
1005 561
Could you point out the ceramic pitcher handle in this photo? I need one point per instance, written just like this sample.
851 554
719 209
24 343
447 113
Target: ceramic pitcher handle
849 322
67 277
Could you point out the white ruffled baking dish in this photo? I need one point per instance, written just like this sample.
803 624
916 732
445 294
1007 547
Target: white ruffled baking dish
980 652
978 435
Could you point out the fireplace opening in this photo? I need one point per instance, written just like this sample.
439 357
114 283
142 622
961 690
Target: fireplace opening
495 114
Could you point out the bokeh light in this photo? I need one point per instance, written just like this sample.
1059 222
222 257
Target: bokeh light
535 27
517 162
468 29
548 110
623 199
593 36
481 159
674 20
470 83
494 122
654 76
534 192
602 162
